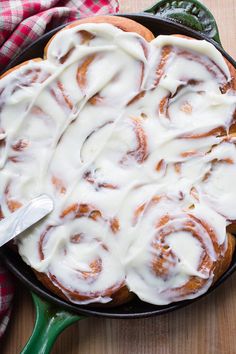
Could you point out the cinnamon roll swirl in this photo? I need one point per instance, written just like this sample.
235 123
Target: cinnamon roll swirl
182 253
87 256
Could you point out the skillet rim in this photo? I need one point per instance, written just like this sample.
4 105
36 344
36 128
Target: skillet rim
11 259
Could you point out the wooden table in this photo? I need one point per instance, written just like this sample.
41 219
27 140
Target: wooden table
206 327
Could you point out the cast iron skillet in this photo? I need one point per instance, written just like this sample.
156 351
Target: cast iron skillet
52 313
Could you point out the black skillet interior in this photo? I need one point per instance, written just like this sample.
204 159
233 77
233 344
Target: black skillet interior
136 308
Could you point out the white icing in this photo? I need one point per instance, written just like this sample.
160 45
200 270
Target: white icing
202 47
128 161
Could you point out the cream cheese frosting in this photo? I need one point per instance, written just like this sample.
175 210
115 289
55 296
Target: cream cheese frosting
120 133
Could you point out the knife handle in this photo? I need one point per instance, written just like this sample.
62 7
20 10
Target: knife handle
24 217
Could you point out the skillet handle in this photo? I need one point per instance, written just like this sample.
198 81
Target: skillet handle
50 321
190 13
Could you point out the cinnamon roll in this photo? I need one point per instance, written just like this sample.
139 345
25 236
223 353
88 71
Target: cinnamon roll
133 138
182 253
87 256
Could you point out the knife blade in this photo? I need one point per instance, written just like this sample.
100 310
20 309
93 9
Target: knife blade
24 217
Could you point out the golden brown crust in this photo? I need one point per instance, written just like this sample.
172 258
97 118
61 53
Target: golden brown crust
223 263
121 296
123 23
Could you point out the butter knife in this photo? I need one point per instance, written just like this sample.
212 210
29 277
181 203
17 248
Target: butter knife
24 217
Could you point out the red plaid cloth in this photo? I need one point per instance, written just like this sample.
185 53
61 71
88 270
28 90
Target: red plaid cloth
6 295
23 21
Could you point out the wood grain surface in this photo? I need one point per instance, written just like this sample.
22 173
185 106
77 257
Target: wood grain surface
206 327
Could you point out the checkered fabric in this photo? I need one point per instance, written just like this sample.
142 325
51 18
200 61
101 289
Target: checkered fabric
23 21
6 295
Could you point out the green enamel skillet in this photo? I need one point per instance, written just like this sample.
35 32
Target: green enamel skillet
53 314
